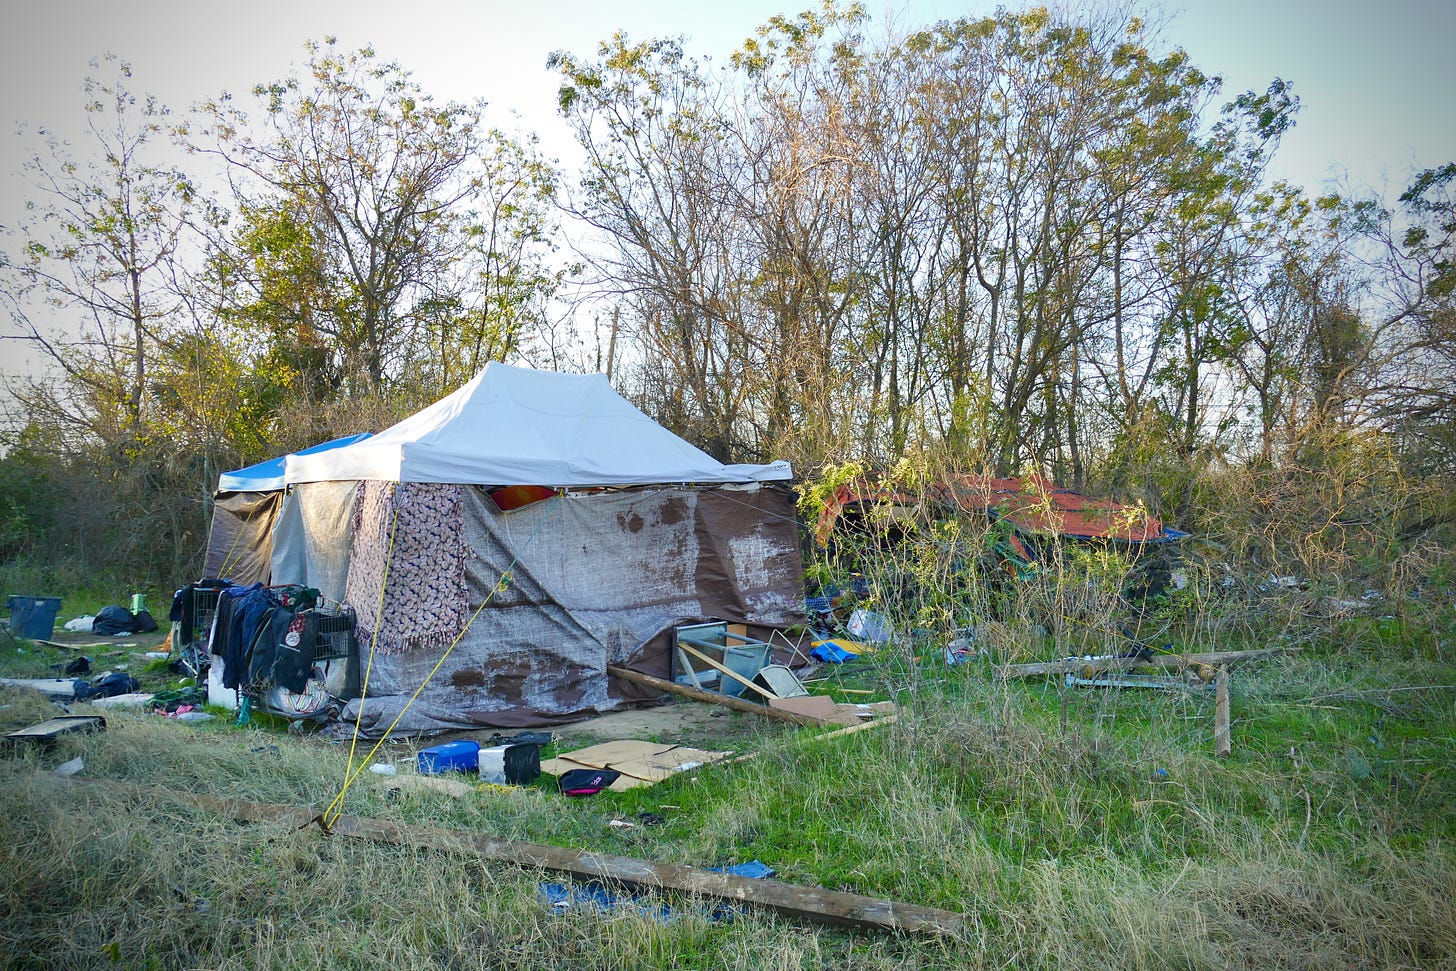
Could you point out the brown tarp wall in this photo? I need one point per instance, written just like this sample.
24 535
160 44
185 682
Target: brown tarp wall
569 585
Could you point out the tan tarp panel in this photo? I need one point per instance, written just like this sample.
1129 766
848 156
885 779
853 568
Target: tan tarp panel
240 542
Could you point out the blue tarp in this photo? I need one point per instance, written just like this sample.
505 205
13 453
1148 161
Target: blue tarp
593 895
268 476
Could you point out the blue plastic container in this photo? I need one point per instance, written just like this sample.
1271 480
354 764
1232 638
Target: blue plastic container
450 757
34 617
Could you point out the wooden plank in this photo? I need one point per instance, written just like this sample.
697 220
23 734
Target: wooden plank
56 689
1222 741
861 727
724 669
812 903
48 731
84 647
1077 664
711 697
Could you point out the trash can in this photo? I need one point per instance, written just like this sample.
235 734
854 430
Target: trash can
33 617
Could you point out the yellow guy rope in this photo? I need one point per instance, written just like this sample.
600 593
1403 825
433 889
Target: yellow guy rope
334 809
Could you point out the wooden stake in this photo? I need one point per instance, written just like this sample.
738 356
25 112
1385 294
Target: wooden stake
812 903
712 697
1222 742
1097 664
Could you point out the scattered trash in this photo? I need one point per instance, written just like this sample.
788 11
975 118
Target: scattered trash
180 699
593 895
621 824
193 716
82 665
867 625
132 699
383 768
636 763
107 685
753 869
80 625
48 731
118 621
72 767
959 651
832 652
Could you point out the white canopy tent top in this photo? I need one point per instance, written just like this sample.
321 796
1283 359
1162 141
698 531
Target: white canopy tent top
517 426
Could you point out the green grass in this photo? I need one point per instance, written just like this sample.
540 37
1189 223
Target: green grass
1074 827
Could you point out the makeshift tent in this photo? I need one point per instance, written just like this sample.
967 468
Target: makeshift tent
511 618
245 510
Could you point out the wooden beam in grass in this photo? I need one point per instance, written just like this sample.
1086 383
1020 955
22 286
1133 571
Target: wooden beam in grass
811 903
1098 664
712 697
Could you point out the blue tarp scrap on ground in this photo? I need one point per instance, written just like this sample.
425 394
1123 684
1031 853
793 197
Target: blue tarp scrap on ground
594 895
831 653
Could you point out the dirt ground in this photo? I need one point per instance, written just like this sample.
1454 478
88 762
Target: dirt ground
672 722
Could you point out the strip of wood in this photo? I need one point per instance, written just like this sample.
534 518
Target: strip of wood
1222 740
811 903
724 669
712 697
861 727
1078 664
88 646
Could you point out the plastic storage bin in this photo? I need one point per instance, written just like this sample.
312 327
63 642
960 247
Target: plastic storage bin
450 757
34 617
515 764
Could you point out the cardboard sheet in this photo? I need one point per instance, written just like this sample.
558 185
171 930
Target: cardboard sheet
832 713
641 763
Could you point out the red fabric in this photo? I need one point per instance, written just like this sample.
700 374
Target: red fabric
1032 504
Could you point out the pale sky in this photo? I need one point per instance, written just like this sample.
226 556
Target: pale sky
1376 77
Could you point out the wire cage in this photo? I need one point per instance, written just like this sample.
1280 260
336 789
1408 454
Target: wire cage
192 645
335 632
336 670
204 609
